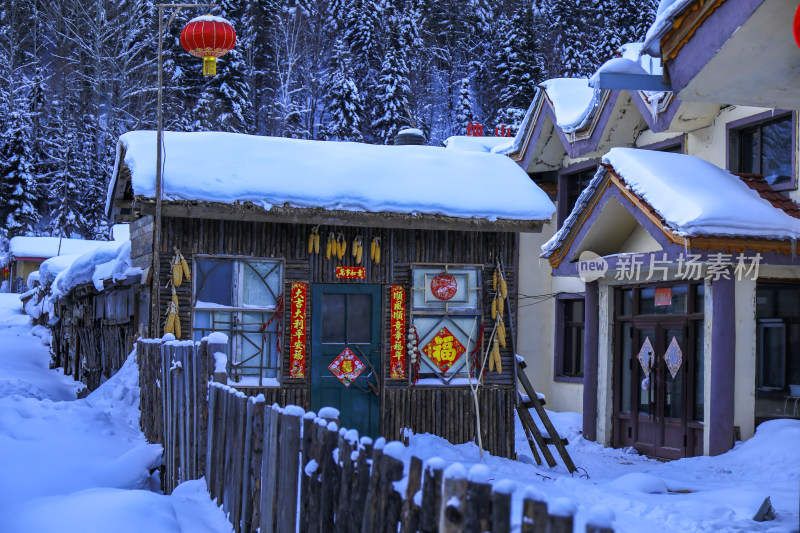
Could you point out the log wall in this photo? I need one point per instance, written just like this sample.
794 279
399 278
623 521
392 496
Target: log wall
401 248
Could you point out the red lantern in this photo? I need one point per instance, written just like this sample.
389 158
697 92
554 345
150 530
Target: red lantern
208 37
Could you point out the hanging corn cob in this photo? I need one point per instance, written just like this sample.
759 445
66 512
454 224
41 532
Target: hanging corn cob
500 304
501 282
180 268
329 246
341 245
494 309
354 247
501 332
494 280
172 317
360 250
375 250
313 241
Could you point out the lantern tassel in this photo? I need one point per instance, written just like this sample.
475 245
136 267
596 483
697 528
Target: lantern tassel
209 66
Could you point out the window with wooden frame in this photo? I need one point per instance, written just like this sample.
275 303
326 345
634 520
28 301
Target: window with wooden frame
765 146
777 347
446 311
241 297
569 339
571 183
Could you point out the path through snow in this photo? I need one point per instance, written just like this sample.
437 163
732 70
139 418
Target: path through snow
80 465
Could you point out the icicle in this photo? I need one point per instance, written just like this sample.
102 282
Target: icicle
794 247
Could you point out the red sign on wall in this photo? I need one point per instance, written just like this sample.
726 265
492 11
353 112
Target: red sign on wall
351 272
397 332
663 297
297 331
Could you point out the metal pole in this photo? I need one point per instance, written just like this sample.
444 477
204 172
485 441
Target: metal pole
154 307
157 222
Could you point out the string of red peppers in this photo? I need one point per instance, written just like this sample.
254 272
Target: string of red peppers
274 317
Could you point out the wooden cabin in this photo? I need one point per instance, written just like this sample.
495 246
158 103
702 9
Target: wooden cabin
318 324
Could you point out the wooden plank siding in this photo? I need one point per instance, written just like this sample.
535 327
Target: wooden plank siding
446 411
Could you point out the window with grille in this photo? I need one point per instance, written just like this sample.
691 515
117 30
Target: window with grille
241 298
446 311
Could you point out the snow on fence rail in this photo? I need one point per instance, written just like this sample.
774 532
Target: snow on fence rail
279 469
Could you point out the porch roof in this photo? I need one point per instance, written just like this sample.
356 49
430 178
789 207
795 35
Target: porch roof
687 198
279 174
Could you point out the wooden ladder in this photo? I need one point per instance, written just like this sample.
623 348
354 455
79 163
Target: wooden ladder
532 432
535 437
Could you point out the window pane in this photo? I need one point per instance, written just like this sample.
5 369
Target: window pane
773 349
573 311
359 318
627 302
260 283
259 345
788 302
333 318
644 395
214 282
699 371
626 363
748 156
776 146
699 298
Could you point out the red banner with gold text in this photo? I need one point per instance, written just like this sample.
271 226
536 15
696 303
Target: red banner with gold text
297 331
397 331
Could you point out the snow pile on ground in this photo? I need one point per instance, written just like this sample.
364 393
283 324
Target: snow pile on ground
700 494
271 171
696 197
80 465
111 261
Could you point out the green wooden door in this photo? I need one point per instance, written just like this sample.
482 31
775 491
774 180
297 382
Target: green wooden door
347 317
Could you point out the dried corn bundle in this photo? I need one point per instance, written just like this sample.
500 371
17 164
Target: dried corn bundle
375 250
329 246
501 332
172 317
360 250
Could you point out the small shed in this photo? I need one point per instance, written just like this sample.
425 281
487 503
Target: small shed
344 274
27 253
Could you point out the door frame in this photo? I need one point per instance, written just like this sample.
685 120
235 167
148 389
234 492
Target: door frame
625 425
375 355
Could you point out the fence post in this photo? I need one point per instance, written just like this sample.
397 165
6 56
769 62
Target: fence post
388 506
217 343
288 467
451 518
410 513
501 506
600 520
561 513
307 454
211 444
479 494
431 497
269 470
347 442
359 495
368 523
328 476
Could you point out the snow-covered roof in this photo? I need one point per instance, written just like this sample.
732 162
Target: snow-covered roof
476 144
573 101
667 11
45 247
270 171
111 261
693 197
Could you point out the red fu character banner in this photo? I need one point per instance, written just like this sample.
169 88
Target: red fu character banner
297 331
397 329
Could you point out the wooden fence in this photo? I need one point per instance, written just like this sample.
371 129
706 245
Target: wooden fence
283 469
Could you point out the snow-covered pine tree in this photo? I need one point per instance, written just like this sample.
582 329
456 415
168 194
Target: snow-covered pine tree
257 43
18 188
345 107
225 104
612 28
518 67
464 107
571 40
392 93
67 218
